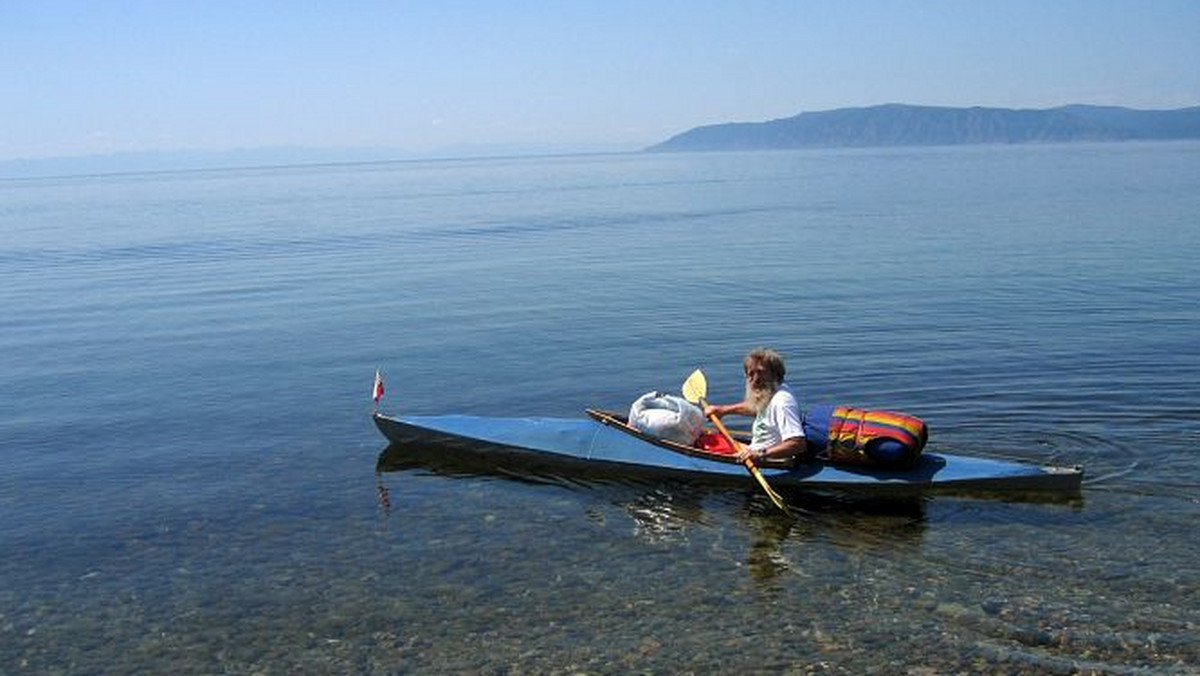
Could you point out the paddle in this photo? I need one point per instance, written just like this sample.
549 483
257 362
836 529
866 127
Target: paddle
695 389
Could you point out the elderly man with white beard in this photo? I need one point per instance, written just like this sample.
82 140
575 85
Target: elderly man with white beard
778 430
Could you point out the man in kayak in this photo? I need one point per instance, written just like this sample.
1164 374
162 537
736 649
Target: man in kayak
777 431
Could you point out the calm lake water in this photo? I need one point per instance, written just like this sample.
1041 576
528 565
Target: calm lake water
188 470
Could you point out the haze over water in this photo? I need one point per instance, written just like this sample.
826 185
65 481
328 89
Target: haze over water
189 477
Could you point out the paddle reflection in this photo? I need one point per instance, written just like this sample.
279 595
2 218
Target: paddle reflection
766 559
671 512
853 525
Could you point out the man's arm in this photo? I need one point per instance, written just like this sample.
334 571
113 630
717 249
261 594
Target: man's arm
788 448
785 449
740 408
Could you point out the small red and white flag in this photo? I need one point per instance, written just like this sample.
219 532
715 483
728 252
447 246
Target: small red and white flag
377 390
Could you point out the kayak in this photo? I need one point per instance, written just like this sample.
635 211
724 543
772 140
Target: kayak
604 445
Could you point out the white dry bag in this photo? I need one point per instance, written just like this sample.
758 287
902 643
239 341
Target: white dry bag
667 417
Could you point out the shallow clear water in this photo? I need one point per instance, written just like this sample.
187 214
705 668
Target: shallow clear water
189 482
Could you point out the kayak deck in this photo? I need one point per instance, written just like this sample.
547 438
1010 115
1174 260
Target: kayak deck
604 445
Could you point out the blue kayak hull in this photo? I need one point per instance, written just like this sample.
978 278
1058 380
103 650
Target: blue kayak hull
595 447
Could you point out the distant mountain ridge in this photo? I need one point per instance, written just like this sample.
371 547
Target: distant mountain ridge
897 124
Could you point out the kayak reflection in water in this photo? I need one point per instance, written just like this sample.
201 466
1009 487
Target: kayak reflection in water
778 430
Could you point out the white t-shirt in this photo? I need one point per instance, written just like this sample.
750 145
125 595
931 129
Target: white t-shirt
778 422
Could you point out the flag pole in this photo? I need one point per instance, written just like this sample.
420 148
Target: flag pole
377 390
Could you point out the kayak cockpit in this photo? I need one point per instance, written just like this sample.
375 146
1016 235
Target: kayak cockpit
710 446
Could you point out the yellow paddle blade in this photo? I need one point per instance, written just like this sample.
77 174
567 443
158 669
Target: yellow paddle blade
695 388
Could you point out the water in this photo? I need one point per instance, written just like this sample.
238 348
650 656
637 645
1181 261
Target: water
189 483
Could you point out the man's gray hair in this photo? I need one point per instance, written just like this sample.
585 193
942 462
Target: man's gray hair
768 358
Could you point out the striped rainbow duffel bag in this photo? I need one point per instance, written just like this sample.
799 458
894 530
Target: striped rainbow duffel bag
855 436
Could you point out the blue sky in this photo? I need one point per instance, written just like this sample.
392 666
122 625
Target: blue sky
95 76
